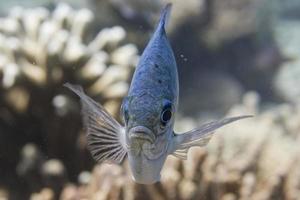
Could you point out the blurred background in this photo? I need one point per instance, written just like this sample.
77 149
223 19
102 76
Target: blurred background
234 57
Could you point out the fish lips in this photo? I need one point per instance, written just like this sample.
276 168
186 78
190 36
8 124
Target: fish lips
142 133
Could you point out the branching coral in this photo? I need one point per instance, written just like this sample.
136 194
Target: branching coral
254 159
40 50
45 49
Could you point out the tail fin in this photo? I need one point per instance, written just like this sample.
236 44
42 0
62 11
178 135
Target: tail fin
164 17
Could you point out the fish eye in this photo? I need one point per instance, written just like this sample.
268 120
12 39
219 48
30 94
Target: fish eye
166 114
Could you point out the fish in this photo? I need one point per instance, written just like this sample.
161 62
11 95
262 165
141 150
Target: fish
148 111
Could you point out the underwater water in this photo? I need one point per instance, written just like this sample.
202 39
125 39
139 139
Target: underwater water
233 58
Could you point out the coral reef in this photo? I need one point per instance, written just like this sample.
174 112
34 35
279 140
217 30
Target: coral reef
254 159
224 48
289 74
40 50
43 49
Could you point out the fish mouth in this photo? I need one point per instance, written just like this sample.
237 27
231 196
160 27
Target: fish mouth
143 133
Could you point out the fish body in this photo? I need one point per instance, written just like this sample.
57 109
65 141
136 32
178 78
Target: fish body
148 111
154 87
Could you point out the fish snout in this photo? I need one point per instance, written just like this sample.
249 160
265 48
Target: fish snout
142 133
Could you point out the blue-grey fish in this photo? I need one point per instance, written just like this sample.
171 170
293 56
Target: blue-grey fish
147 137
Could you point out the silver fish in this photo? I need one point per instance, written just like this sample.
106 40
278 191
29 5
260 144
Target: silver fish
147 137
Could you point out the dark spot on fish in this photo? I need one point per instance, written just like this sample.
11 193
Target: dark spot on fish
159 57
156 66
159 81
140 73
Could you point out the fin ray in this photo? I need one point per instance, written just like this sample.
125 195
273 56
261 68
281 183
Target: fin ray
200 136
104 134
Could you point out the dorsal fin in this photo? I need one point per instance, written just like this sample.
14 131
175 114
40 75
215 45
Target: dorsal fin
164 17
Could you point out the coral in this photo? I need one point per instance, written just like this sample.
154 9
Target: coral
45 49
40 50
289 74
254 159
43 149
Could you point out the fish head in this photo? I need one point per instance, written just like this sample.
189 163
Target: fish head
149 123
147 118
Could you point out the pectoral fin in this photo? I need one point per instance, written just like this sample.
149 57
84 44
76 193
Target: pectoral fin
105 136
198 137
